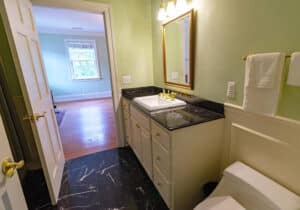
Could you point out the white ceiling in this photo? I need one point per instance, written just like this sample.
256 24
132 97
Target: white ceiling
56 20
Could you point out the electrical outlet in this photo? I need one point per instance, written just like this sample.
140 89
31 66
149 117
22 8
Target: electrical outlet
174 75
231 89
126 79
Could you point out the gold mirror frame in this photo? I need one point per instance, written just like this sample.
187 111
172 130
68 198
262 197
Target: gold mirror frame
190 86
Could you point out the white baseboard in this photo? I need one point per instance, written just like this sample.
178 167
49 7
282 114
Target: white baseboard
81 97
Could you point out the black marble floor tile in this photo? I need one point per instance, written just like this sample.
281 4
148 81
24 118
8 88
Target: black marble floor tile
109 180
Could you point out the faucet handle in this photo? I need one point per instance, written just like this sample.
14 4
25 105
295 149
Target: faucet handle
172 95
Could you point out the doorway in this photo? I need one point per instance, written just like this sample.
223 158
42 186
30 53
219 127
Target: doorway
37 108
75 55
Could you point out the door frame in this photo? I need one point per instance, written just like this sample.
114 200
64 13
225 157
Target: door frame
106 10
82 5
94 7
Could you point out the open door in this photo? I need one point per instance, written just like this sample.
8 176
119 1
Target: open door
25 46
11 194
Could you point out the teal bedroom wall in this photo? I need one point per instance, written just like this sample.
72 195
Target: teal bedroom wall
225 32
58 68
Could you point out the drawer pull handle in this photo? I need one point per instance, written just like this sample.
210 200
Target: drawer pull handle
158 158
157 134
137 125
158 184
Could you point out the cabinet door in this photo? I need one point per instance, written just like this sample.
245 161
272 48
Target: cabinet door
128 131
146 151
126 118
136 138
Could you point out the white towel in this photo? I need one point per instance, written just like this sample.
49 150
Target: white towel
263 82
294 72
262 69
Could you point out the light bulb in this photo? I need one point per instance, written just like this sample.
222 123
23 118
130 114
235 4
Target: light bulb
171 9
161 14
181 5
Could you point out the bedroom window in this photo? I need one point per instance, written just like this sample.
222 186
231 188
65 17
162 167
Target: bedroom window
83 59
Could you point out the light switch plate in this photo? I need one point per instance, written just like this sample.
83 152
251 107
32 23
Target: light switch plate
126 79
231 89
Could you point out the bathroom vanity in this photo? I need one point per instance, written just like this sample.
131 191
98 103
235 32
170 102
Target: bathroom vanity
179 148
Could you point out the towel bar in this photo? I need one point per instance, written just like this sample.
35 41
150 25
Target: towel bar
245 57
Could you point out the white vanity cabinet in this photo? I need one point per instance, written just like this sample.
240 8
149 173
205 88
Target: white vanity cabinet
184 160
141 138
179 162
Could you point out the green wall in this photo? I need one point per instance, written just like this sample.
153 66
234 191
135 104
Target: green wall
228 30
131 22
225 31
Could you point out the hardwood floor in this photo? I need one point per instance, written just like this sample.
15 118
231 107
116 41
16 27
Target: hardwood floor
87 127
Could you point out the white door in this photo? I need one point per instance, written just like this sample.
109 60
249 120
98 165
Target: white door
26 48
11 194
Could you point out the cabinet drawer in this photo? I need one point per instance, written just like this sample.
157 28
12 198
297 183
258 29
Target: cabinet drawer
161 136
161 159
141 118
162 186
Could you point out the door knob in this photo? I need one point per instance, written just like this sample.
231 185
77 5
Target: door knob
9 167
35 116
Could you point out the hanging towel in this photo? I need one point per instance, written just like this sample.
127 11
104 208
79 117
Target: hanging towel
263 82
294 72
262 69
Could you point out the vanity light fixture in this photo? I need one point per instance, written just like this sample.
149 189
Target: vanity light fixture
171 9
181 5
162 15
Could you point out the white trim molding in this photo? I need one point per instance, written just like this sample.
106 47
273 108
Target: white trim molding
71 33
268 144
82 97
104 9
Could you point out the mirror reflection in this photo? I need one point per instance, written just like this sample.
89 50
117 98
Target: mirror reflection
177 41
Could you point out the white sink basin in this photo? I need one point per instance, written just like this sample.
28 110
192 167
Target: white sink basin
155 102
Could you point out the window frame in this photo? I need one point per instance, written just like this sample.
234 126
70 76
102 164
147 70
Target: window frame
98 67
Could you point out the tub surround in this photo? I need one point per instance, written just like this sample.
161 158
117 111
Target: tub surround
195 112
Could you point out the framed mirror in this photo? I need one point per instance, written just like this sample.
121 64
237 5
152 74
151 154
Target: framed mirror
178 51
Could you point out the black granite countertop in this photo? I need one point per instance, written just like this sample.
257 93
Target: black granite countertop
195 112
184 117
131 93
